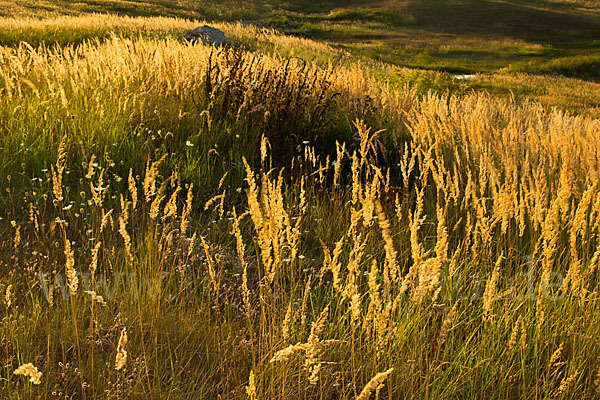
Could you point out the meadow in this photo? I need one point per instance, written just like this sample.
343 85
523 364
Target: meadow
287 218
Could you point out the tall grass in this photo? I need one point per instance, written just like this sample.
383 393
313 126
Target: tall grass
185 222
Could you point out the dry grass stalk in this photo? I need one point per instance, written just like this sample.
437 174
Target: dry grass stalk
106 218
523 336
94 262
556 356
91 167
17 238
241 250
149 183
211 265
335 265
373 384
95 297
341 151
390 251
171 209
285 325
215 199
284 354
313 348
185 216
123 220
375 303
305 297
415 221
356 183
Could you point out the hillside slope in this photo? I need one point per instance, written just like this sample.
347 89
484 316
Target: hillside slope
450 35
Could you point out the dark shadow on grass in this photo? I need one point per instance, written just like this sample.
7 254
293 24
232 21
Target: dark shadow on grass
311 6
505 19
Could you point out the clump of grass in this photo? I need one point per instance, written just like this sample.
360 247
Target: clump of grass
279 98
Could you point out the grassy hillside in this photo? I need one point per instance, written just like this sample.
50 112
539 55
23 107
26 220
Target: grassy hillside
554 38
456 36
500 49
286 220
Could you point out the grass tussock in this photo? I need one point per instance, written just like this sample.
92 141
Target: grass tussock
190 222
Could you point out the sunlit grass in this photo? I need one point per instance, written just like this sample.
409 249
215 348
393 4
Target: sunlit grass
188 222
455 36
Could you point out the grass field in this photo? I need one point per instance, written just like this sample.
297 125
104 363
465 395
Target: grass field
455 36
293 218
531 37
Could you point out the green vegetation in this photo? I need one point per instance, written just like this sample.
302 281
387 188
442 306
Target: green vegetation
586 67
563 93
455 36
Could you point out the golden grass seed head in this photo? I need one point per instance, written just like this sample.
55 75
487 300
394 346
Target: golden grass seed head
489 294
373 384
515 333
9 296
284 354
95 297
132 189
565 385
285 326
94 262
447 325
251 388
121 357
91 166
17 238
30 371
72 279
556 356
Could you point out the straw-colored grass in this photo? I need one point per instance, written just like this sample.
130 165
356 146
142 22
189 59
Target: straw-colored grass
189 222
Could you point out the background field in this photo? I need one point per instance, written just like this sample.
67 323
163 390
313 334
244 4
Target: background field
323 211
457 36
558 38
